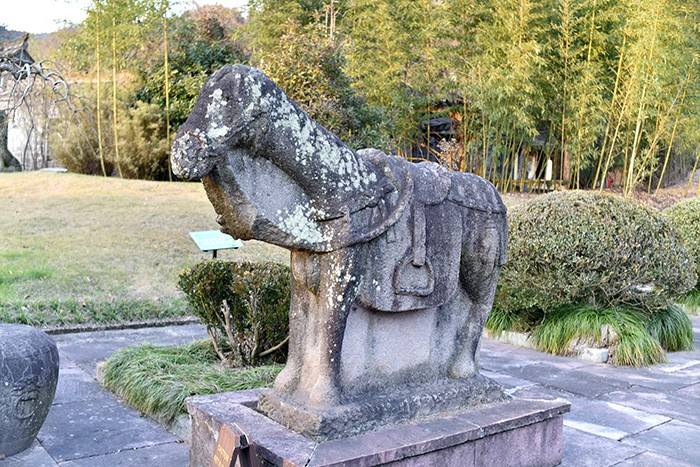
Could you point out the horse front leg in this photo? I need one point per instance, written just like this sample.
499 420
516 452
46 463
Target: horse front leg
339 276
479 267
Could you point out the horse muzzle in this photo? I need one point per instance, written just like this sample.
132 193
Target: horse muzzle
192 156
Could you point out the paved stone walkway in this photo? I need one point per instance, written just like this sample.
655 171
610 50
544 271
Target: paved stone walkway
88 426
619 416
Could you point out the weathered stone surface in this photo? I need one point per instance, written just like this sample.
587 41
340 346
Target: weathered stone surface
75 385
369 411
574 381
650 459
28 377
538 444
507 381
692 391
652 377
518 432
394 264
210 412
594 355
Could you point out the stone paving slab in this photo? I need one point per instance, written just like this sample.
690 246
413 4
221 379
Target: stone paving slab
93 427
87 349
650 459
690 391
652 378
669 404
674 439
498 355
508 381
586 450
689 370
610 420
667 393
166 455
574 381
539 391
35 456
74 384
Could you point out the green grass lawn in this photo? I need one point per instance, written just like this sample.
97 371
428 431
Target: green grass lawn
76 248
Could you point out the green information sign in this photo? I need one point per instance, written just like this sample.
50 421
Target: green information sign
214 240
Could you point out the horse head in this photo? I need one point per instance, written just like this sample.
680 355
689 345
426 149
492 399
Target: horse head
271 171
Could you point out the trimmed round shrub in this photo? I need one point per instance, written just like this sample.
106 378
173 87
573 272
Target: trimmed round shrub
589 248
245 307
685 218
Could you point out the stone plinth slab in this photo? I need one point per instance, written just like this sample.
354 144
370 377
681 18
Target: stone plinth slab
365 413
518 432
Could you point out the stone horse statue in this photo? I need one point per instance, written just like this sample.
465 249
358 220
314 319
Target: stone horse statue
394 264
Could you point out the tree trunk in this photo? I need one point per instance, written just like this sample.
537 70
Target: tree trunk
8 163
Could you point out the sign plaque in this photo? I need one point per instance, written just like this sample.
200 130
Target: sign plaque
232 450
214 240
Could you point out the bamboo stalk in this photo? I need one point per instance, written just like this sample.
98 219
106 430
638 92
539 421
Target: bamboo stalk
166 82
114 96
668 154
610 115
691 178
614 139
98 103
640 116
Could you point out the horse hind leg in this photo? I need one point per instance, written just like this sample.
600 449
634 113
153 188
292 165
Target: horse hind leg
479 266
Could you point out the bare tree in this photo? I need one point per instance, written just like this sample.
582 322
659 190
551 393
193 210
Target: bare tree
21 79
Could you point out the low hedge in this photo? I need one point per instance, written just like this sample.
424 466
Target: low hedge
579 247
245 307
685 218
588 269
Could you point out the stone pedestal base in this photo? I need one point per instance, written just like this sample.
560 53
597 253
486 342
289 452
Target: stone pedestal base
371 411
518 432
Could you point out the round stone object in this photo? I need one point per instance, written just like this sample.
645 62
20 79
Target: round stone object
28 377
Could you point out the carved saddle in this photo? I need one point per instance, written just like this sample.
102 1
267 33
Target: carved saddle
415 262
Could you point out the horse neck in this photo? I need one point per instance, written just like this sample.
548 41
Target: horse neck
333 176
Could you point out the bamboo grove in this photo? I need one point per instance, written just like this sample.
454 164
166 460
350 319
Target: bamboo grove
577 88
583 92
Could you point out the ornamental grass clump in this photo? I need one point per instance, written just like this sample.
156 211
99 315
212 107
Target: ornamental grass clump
244 307
157 380
622 330
589 269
